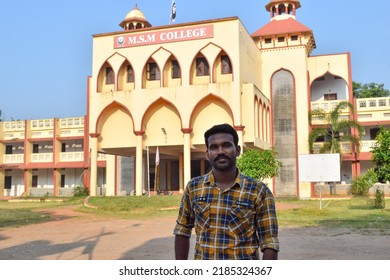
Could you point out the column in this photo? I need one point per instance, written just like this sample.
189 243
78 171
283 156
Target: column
181 174
187 155
240 133
138 163
93 156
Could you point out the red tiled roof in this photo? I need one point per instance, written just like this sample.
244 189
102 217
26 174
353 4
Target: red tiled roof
285 26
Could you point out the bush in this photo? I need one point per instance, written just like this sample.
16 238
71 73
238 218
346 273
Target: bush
380 202
80 191
361 184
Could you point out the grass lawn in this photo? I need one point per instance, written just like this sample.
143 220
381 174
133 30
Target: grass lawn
357 213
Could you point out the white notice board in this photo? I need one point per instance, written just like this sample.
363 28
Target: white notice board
319 168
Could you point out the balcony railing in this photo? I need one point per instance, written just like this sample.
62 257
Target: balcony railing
381 103
346 147
43 157
15 158
71 156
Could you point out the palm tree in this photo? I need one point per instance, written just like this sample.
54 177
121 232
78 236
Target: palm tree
335 129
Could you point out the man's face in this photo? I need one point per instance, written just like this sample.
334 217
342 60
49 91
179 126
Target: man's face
221 151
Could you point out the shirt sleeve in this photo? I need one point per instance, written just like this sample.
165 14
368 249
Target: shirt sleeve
185 220
267 224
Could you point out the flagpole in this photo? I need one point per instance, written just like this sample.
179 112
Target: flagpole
156 171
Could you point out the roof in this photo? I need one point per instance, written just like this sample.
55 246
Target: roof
285 26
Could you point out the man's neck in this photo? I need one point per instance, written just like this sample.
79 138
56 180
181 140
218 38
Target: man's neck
225 178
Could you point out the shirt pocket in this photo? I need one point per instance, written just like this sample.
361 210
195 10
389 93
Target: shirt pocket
202 215
241 222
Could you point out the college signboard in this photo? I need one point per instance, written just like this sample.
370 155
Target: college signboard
319 168
163 36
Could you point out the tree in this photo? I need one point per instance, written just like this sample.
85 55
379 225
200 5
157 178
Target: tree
369 90
381 155
259 164
0 116
335 130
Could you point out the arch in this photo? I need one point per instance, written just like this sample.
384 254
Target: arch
172 74
285 131
256 122
126 76
208 111
200 70
329 87
223 68
281 9
162 124
115 126
151 77
102 84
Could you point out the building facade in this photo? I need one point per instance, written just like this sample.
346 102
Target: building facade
154 91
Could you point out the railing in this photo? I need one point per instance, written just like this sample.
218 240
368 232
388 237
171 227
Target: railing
346 146
42 157
327 106
13 126
72 156
14 158
381 103
43 124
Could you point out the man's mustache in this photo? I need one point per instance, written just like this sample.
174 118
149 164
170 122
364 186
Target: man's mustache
221 157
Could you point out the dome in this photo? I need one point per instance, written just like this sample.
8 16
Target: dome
135 19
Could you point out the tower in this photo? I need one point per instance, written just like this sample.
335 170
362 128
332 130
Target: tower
135 19
285 45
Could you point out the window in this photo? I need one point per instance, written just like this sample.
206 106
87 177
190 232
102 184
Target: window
226 65
130 74
62 181
268 40
8 149
152 71
294 38
202 67
110 79
34 182
373 133
176 74
280 39
63 147
35 148
7 182
330 96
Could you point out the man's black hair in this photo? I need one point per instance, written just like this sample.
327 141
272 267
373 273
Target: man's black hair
221 128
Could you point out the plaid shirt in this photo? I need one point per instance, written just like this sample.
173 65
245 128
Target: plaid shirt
232 224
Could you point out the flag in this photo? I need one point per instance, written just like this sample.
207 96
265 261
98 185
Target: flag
157 157
173 11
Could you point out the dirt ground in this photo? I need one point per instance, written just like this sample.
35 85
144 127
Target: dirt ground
78 236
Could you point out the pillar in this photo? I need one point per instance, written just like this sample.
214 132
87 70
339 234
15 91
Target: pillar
138 164
93 155
187 155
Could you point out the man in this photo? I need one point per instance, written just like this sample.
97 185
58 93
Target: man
233 214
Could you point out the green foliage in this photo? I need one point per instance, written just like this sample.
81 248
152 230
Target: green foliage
369 90
361 184
381 154
336 130
380 202
80 191
259 164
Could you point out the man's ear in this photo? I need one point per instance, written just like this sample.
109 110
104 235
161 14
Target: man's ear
238 149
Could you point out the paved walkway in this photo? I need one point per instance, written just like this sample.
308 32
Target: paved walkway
78 236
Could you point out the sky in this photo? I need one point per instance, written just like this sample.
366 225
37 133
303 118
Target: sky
46 46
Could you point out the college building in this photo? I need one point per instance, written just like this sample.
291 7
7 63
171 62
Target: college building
155 90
